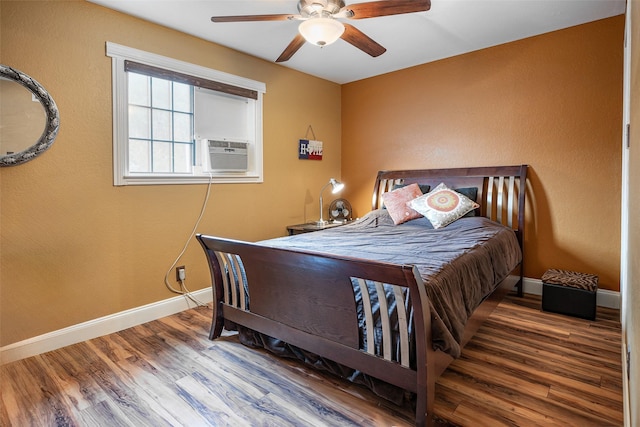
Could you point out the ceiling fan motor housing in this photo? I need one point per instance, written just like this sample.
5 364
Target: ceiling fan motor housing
319 8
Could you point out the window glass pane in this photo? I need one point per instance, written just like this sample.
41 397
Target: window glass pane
161 93
139 89
139 122
162 125
182 97
182 158
139 156
182 127
162 156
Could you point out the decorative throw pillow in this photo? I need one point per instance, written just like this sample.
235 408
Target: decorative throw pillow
396 202
442 206
424 189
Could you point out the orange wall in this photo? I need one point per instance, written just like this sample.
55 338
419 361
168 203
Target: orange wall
73 246
553 101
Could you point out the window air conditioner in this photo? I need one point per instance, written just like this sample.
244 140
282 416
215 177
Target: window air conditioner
227 156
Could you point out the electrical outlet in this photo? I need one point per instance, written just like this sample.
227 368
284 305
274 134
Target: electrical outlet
181 273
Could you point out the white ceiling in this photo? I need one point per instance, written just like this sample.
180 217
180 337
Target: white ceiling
450 28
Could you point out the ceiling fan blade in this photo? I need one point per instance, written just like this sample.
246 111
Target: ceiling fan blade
373 9
250 18
293 47
362 41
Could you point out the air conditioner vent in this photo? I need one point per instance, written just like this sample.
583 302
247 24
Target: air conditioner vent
228 156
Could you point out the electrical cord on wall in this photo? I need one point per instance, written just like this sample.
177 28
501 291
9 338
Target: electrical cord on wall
183 288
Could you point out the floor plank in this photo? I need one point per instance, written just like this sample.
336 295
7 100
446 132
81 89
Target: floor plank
524 367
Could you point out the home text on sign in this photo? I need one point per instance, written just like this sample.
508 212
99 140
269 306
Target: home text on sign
310 149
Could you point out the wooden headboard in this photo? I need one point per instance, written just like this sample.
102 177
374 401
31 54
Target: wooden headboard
501 189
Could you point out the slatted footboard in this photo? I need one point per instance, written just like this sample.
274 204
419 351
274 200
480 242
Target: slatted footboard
308 300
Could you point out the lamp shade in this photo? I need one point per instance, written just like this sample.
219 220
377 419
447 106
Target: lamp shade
336 186
321 31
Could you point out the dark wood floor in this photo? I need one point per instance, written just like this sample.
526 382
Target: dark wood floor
523 368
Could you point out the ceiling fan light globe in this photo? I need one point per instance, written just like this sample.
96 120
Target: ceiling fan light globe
321 31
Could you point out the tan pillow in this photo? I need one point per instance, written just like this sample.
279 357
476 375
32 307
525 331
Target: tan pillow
396 203
442 206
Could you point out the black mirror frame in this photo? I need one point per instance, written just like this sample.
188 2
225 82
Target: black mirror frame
52 123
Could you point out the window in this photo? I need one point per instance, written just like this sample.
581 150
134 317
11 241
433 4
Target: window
178 123
161 137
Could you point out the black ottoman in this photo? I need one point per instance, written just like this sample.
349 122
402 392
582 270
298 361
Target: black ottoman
569 292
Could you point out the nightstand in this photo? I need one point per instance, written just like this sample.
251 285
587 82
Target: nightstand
312 226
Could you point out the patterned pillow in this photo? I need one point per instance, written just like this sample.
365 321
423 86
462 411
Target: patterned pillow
442 206
396 202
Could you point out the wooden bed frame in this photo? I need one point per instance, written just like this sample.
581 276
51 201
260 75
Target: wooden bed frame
307 300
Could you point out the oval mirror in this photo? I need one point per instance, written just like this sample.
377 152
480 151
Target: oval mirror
29 118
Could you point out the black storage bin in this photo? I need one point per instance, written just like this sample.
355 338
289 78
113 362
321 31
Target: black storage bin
569 292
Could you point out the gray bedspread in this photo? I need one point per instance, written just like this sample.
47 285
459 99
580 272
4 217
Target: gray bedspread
460 264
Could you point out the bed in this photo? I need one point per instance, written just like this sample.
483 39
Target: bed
321 293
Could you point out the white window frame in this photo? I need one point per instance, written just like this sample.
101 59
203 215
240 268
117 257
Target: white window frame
121 175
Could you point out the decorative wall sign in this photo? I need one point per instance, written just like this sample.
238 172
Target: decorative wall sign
310 149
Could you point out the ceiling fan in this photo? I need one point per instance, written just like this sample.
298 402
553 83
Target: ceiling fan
320 25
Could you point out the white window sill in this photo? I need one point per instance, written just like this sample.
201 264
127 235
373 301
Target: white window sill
159 179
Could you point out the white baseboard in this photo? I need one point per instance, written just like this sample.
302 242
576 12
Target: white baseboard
146 313
604 298
99 327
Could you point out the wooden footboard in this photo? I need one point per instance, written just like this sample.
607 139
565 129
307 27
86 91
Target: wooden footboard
307 300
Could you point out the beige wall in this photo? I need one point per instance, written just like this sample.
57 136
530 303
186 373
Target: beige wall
73 246
552 101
